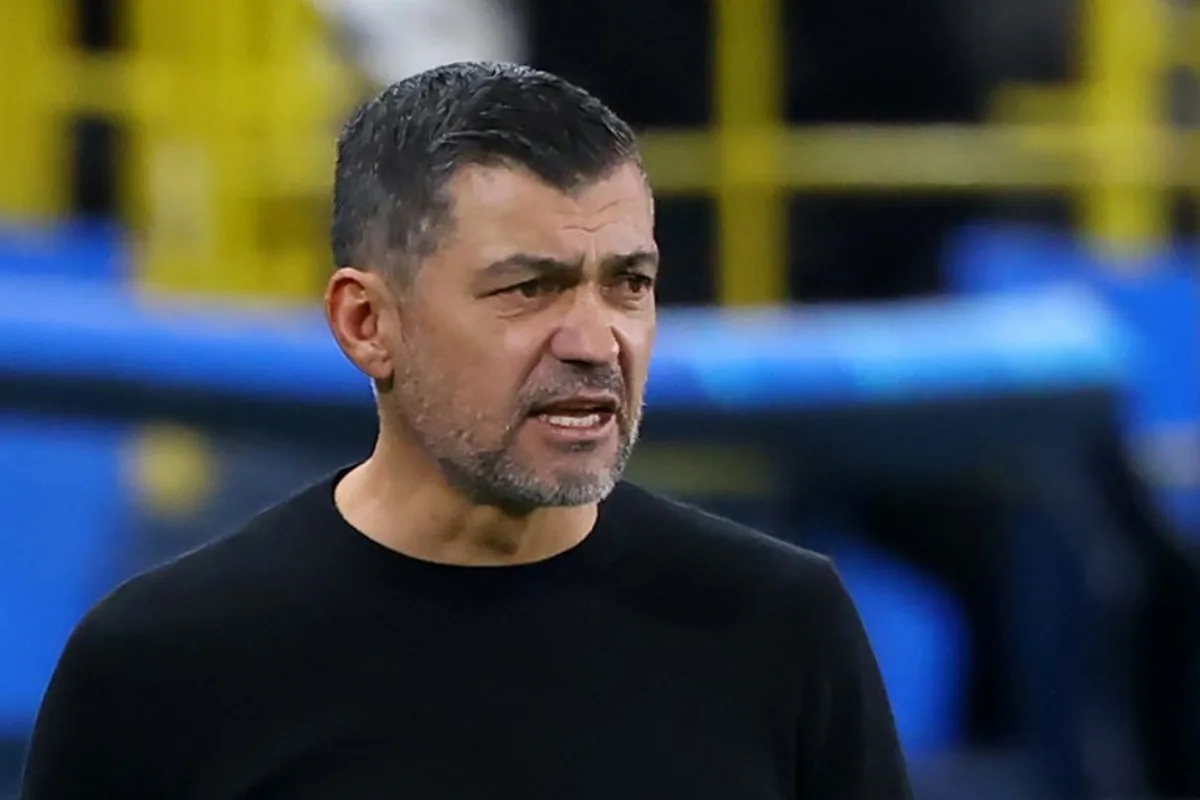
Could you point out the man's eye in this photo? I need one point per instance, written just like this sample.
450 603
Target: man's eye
638 284
531 288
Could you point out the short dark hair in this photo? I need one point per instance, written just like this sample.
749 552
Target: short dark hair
398 150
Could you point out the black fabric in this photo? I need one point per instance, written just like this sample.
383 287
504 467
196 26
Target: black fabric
672 654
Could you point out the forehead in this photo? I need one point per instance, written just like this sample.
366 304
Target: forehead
498 211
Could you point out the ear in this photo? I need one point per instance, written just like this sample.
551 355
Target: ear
360 312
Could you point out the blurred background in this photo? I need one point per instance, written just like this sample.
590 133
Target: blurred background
931 305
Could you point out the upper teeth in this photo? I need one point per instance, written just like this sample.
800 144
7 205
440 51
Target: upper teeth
574 420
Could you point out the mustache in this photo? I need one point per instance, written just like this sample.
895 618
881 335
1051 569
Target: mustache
597 379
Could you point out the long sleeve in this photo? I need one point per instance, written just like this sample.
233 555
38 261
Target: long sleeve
849 747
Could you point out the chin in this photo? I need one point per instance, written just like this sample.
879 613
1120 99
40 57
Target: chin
584 474
575 487
580 494
526 496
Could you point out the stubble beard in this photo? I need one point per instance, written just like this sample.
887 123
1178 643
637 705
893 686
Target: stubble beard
493 475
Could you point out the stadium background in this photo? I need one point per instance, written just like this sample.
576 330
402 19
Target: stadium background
931 305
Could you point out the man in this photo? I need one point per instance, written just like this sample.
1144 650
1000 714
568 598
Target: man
480 609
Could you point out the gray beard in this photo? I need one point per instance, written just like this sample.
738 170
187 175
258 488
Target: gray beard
492 477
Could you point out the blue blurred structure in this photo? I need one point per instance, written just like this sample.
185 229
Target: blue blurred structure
1013 376
920 637
64 516
1156 297
80 249
740 362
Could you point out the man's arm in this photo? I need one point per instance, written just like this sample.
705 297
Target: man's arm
849 748
85 741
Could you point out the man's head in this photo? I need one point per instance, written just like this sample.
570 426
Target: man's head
493 234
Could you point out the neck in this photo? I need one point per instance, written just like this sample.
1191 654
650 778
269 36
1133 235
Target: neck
405 504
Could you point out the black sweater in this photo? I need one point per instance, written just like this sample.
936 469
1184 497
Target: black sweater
671 655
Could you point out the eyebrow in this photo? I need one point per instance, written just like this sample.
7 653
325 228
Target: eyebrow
522 264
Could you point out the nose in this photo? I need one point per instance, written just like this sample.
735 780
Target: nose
585 334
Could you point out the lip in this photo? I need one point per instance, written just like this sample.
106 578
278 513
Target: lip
576 435
609 403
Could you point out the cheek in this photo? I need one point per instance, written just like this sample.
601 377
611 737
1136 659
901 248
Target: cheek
480 372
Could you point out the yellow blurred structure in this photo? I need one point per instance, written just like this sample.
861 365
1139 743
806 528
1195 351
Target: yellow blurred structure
232 108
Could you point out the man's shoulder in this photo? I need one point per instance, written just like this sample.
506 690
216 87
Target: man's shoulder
685 532
207 583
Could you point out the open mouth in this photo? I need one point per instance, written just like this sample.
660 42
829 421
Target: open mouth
577 413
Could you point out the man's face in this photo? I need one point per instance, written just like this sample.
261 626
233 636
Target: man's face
523 344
